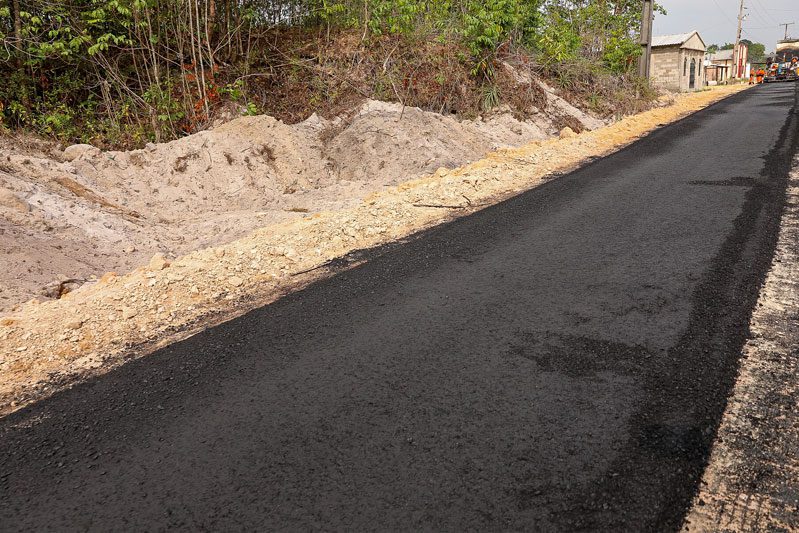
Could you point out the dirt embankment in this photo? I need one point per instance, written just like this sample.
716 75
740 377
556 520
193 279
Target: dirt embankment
66 218
46 346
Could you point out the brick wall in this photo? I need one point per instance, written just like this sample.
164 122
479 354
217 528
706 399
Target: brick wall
665 68
671 68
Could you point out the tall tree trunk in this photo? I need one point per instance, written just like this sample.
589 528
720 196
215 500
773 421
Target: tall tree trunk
17 20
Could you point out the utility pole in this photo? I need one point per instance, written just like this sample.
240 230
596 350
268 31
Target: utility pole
647 16
786 28
736 51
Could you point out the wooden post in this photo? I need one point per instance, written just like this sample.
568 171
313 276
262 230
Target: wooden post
736 51
644 64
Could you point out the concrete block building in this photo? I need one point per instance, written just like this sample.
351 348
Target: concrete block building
719 67
678 62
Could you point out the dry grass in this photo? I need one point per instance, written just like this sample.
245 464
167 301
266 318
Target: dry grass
598 91
307 74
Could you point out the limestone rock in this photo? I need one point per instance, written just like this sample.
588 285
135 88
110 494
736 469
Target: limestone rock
71 153
9 199
158 262
567 133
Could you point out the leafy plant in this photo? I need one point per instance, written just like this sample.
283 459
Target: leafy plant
490 97
250 109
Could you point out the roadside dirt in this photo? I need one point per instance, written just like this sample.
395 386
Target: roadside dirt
750 482
46 346
69 217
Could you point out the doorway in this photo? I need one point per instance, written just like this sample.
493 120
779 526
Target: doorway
692 79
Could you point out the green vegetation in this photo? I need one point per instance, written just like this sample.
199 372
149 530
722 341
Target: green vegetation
757 51
123 72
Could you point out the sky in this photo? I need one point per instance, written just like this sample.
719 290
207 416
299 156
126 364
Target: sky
717 20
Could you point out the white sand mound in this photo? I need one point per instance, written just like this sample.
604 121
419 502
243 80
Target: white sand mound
89 212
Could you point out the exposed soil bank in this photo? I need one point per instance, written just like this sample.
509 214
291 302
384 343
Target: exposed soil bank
69 217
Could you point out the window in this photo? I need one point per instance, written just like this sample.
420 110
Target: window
685 67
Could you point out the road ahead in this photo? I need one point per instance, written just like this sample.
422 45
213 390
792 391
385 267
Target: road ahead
556 362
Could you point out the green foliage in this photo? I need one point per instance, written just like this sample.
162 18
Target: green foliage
164 107
487 24
395 16
338 14
137 70
56 111
621 54
234 91
250 109
603 31
757 52
558 41
490 97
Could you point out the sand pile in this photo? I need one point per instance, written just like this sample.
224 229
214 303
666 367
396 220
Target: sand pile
46 346
69 217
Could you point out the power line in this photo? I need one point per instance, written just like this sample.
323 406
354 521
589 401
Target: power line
765 11
761 16
723 12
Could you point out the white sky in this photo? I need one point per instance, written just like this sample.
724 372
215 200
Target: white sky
717 20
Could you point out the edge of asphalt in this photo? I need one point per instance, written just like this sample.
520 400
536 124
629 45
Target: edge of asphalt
749 482
768 199
704 362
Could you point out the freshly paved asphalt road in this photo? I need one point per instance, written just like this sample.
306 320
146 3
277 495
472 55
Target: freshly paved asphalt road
556 362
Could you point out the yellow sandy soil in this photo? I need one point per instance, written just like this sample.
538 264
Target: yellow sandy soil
46 346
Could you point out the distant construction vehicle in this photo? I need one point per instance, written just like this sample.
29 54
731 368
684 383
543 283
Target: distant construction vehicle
784 66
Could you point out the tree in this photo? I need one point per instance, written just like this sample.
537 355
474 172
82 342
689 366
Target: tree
757 51
596 29
15 9
156 69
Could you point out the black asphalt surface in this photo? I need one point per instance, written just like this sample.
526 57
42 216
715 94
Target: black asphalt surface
557 362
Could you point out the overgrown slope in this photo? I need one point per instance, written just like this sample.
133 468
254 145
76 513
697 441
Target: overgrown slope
120 73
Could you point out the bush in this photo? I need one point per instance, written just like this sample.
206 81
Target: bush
590 85
131 71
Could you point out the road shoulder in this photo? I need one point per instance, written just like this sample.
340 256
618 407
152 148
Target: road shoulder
750 481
